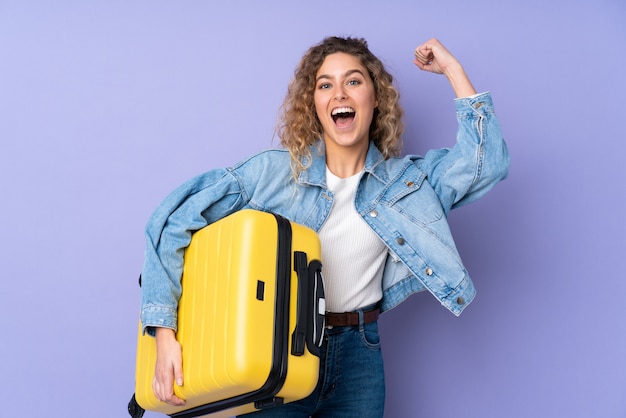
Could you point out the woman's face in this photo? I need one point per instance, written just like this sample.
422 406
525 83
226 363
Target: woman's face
344 101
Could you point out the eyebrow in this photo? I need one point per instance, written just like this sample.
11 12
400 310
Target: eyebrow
347 74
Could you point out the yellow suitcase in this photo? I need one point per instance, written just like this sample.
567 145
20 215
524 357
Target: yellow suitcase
250 319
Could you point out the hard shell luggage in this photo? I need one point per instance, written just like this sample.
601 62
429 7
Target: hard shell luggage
250 319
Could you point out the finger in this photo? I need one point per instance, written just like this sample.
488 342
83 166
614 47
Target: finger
156 388
424 56
421 66
175 401
160 389
164 392
163 383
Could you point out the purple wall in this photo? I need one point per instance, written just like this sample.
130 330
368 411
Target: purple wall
105 106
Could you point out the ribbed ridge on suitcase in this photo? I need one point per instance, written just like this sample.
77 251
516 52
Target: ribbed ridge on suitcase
264 397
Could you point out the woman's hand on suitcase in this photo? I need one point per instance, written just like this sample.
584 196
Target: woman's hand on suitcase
169 367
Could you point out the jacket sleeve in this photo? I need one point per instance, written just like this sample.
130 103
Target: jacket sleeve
191 206
479 159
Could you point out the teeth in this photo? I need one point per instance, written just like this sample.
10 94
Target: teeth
342 110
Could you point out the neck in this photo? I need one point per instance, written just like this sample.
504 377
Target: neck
344 166
345 163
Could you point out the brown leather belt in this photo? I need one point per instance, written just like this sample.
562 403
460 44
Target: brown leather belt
346 319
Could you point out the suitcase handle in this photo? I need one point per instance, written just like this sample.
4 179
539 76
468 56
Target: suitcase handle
311 306
317 314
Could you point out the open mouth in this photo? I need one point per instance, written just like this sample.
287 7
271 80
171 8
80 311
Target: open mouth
343 116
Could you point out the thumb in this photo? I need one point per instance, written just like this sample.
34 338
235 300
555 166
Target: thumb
178 374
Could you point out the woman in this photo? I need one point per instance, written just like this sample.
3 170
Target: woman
339 174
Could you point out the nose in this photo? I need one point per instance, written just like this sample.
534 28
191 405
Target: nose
340 93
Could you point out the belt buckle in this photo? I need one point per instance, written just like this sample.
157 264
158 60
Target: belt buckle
326 326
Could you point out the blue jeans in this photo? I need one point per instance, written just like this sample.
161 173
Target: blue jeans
351 382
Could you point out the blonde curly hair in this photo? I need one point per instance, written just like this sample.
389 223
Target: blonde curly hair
299 127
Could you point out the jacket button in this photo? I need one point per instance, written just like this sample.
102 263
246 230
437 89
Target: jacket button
373 214
400 241
460 300
429 271
409 184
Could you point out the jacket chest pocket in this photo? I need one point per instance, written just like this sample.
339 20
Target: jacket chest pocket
414 198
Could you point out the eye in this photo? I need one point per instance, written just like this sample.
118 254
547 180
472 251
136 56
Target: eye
354 82
323 86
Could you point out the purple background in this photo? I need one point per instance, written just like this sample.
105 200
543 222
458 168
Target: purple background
106 106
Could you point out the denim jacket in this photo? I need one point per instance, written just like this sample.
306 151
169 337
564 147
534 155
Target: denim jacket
404 200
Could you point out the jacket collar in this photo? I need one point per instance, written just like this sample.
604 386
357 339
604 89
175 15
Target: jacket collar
315 174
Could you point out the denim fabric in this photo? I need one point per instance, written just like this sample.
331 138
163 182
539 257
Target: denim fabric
351 382
404 200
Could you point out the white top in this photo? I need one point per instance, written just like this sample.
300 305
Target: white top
353 256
